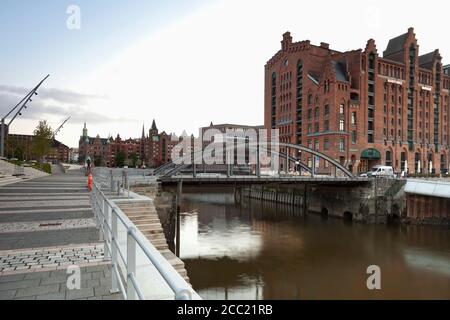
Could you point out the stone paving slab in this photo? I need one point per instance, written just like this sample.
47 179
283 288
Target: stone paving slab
21 240
43 203
52 285
46 225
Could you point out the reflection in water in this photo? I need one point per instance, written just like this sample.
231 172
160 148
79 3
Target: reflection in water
263 251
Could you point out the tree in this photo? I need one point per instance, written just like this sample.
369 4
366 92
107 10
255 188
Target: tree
134 159
98 161
120 159
42 140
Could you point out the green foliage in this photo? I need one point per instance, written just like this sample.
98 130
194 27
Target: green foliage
98 161
42 140
120 159
134 159
45 167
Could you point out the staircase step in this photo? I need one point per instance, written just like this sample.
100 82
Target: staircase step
135 205
155 236
151 231
147 225
138 210
144 218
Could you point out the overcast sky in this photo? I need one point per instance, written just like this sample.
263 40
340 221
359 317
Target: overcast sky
184 63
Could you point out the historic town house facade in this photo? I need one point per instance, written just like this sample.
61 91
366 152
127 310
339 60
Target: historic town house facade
151 150
359 107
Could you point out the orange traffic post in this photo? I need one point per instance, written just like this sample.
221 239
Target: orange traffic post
90 179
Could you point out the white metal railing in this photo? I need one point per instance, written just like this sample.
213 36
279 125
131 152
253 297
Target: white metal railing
109 217
120 180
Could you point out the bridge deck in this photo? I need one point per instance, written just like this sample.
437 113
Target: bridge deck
189 179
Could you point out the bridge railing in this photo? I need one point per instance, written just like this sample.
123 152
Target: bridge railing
113 222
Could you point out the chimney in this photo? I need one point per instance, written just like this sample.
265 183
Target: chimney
325 45
287 41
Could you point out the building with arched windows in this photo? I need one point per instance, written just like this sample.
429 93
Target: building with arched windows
361 107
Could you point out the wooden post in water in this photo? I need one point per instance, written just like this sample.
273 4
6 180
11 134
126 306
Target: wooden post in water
305 206
179 194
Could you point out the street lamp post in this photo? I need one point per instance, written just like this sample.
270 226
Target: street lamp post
20 106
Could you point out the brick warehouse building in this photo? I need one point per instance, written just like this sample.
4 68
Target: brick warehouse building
151 150
21 146
359 107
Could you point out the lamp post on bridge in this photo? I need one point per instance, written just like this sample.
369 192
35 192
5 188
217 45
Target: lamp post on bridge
4 128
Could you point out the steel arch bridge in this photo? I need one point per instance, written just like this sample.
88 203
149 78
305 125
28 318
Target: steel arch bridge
171 168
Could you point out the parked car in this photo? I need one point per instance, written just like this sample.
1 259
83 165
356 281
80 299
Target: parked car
380 171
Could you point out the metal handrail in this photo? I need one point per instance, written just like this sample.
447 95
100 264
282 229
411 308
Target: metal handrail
107 216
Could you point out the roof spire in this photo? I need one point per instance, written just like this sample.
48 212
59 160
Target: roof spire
143 131
154 126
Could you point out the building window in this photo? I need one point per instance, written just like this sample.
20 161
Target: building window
317 113
342 144
326 144
316 127
341 125
388 158
353 118
327 110
354 137
326 125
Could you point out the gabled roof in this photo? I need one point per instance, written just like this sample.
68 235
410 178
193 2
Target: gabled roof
426 60
395 45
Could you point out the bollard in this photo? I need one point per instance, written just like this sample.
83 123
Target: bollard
90 179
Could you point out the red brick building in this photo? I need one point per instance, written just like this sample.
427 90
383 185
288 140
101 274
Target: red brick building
361 107
21 146
150 150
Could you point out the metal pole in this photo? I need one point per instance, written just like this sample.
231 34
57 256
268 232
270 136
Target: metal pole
114 238
107 244
3 132
287 160
258 163
313 171
101 218
178 235
112 181
131 264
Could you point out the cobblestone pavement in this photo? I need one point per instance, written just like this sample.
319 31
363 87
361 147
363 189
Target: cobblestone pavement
30 260
45 226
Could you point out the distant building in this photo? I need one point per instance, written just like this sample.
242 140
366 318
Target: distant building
150 150
360 107
59 152
74 155
223 128
21 146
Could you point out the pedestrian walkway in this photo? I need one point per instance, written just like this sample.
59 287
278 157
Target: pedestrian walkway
46 225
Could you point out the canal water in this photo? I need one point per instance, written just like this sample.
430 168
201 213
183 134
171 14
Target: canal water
263 251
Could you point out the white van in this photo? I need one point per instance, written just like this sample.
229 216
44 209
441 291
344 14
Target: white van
380 171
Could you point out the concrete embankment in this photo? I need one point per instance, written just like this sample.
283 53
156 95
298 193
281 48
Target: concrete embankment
375 201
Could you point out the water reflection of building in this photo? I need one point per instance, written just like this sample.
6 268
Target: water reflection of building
310 258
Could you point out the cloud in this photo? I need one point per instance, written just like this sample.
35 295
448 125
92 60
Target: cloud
55 103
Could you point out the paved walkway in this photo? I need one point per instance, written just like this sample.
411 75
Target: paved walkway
46 225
